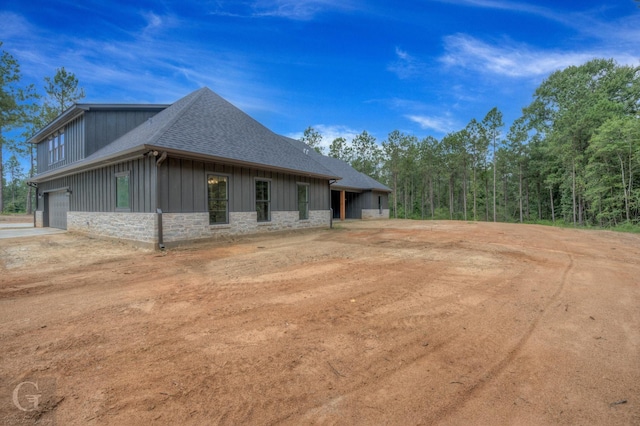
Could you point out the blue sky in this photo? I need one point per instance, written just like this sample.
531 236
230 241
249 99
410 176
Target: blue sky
342 66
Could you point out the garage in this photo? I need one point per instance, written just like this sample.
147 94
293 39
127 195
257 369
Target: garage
58 208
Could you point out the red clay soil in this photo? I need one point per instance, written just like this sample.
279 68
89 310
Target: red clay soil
385 322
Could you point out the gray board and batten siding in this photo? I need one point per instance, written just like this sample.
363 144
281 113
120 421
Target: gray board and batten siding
183 187
91 131
95 190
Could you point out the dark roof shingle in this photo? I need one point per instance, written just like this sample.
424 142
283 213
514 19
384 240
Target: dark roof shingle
203 123
350 177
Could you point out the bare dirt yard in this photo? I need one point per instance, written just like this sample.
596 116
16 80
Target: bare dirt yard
386 322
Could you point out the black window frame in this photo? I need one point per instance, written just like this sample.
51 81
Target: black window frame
303 205
264 202
224 200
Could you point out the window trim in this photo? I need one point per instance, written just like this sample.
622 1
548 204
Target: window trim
61 144
228 177
307 201
119 175
56 147
268 201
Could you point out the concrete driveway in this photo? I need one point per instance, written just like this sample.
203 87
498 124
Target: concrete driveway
18 230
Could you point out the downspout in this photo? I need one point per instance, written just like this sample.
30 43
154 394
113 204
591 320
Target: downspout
159 162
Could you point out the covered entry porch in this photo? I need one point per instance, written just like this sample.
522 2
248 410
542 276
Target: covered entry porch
346 204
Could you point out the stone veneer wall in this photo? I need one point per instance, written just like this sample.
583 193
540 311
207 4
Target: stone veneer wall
176 227
138 227
39 218
192 226
368 214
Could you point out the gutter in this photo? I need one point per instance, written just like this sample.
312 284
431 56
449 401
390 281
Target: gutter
141 149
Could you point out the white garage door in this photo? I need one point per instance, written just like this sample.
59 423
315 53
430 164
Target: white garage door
58 208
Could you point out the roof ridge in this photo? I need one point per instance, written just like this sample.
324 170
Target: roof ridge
166 126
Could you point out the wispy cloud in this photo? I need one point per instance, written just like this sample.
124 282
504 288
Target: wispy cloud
118 68
405 66
299 10
514 6
440 124
511 59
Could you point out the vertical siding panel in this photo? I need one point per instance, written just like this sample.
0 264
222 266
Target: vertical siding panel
199 191
245 182
186 186
164 186
174 185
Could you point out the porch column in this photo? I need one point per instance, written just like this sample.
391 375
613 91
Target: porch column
342 205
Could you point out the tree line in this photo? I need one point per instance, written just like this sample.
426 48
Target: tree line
24 109
572 156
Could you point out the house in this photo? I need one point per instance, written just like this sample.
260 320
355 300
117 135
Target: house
198 168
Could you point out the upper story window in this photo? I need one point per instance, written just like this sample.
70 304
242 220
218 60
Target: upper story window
56 148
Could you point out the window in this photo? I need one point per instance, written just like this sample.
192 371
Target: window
123 198
303 201
380 204
263 200
218 196
56 148
61 147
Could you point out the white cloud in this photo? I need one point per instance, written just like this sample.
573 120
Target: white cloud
516 60
440 124
153 20
13 25
405 65
146 66
515 6
299 10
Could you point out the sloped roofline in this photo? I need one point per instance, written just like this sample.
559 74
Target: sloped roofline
141 151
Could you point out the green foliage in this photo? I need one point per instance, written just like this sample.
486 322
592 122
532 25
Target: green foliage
20 109
572 159
13 106
339 148
312 138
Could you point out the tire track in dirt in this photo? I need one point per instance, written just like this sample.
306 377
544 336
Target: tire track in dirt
474 389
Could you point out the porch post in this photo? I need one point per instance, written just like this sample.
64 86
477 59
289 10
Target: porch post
342 205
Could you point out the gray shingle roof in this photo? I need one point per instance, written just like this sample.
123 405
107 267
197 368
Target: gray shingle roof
205 124
351 178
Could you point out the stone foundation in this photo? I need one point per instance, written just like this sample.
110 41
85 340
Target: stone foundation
137 227
142 228
193 226
369 214
39 219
